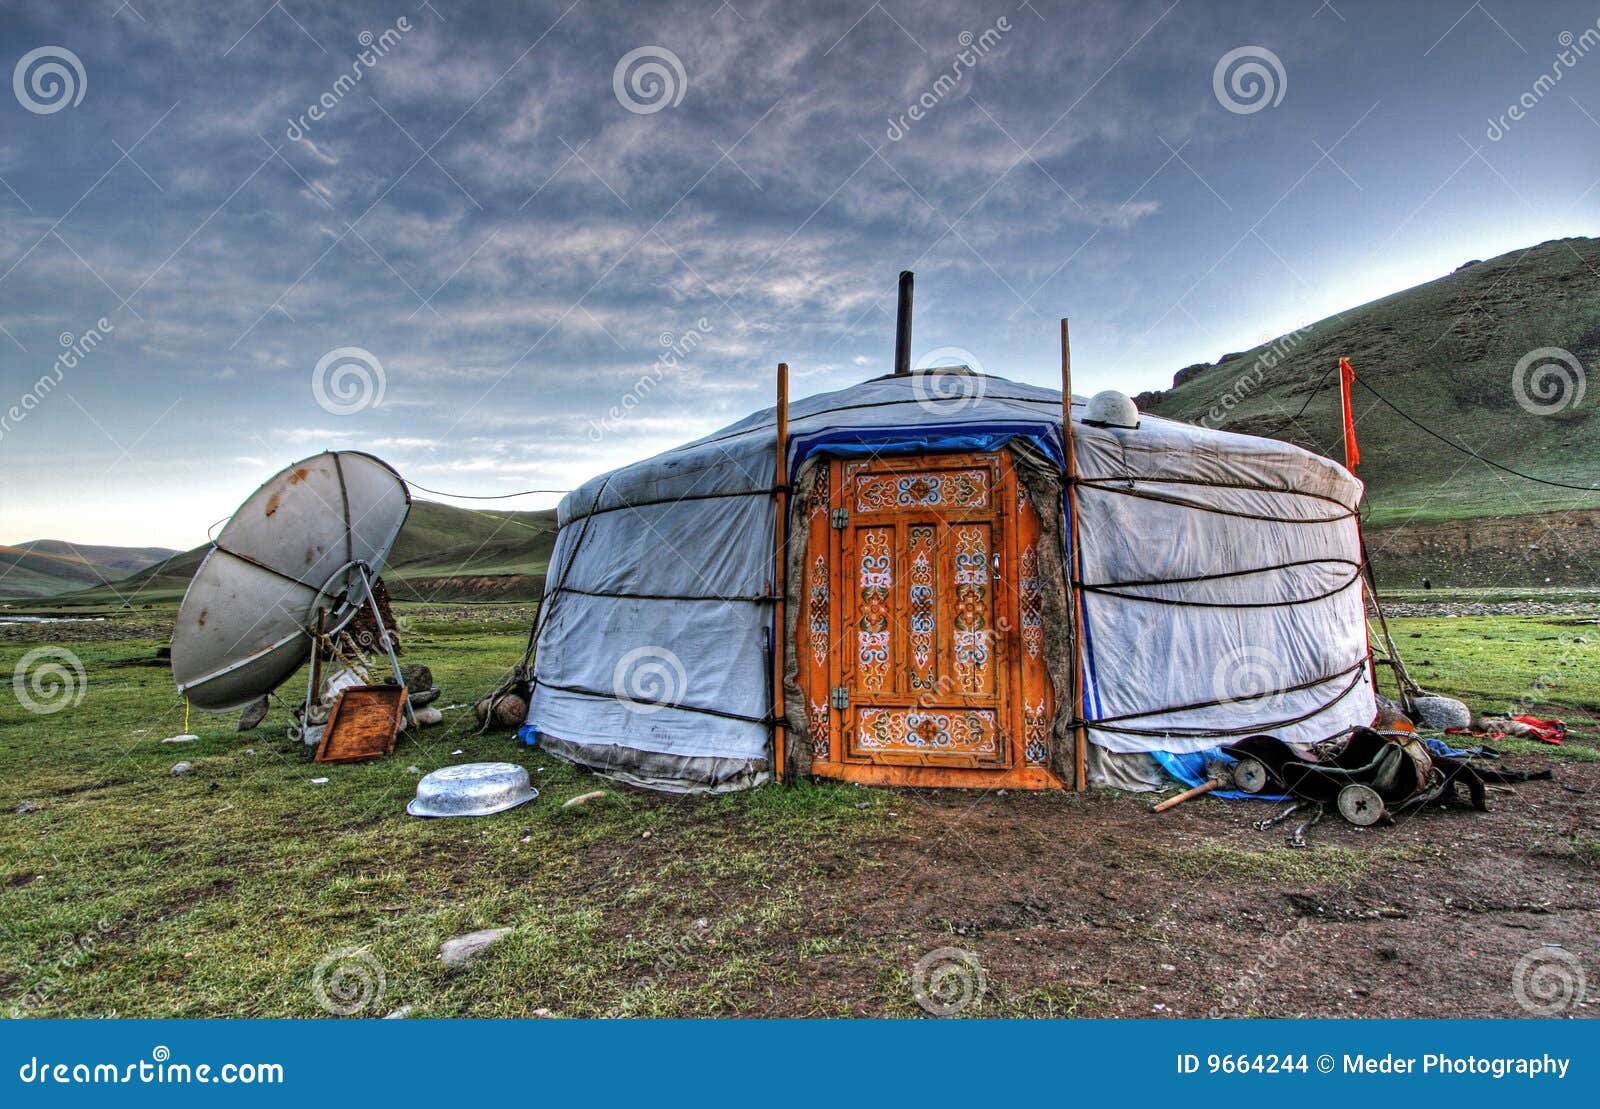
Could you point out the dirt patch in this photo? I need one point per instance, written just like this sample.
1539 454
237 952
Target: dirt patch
1087 903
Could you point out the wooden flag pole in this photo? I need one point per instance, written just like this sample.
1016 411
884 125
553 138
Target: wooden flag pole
780 571
1074 595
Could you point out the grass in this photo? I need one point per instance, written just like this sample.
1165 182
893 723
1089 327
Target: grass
135 892
223 891
1506 663
1228 862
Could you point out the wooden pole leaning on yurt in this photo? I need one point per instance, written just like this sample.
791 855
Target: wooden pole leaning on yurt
1074 595
780 568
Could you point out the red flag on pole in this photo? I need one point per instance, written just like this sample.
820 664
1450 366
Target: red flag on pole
1352 453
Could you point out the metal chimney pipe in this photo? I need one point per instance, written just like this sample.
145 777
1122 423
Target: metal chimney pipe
902 326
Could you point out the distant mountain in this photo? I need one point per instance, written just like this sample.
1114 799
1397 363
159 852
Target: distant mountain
1449 354
443 553
50 567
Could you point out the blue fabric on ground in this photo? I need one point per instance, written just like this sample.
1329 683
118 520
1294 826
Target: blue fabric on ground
1440 747
529 734
1190 769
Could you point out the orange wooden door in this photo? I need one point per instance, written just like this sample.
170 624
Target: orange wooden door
920 628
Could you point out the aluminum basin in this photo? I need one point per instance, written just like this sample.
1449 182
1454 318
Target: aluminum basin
472 789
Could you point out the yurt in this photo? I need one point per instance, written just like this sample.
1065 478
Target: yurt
928 579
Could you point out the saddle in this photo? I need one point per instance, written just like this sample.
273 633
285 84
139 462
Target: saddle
1395 766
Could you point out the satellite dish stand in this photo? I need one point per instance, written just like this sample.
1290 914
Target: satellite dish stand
347 576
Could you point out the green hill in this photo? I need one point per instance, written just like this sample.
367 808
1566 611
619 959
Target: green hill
443 553
50 567
1443 353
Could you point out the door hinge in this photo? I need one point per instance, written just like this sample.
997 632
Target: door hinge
840 698
840 518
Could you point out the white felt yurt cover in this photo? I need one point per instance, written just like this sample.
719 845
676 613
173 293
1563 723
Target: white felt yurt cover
1220 576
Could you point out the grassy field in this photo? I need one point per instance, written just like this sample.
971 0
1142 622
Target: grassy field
246 888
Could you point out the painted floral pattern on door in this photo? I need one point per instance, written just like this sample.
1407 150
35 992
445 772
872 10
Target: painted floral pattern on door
970 732
921 599
945 490
973 604
872 626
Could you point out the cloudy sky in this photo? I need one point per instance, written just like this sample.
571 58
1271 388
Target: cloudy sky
458 235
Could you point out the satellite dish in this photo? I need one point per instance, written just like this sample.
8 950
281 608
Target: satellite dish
305 543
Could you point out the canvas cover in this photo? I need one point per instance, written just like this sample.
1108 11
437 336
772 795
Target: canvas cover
1220 573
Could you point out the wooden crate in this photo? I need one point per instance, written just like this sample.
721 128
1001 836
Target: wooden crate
363 724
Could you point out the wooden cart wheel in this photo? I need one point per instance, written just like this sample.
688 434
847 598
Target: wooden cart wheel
1360 805
1250 775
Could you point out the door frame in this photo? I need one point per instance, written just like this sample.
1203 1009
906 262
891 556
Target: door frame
832 758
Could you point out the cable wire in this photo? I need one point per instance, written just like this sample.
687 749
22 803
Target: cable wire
482 497
1468 451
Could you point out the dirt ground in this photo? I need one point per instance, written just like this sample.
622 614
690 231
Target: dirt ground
1089 905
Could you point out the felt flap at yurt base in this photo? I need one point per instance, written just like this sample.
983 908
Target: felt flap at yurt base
1207 588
